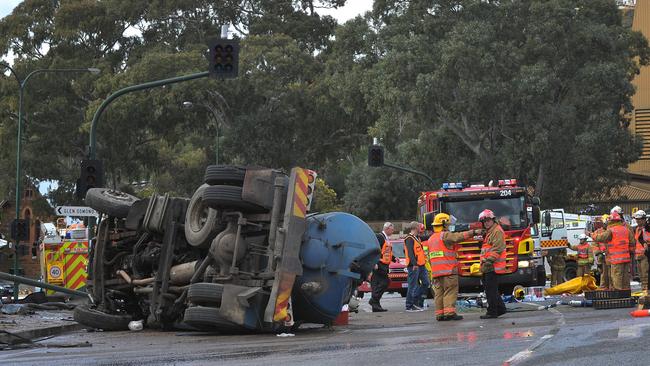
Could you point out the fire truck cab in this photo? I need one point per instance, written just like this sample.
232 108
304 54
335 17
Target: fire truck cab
510 204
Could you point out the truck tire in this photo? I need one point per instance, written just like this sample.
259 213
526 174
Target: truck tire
229 197
201 222
570 271
205 294
224 175
113 203
94 318
208 319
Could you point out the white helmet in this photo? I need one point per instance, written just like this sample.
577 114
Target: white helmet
616 209
639 214
582 237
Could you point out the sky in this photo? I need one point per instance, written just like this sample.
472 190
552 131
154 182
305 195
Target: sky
349 11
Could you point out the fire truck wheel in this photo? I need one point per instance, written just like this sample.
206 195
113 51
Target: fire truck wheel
229 197
202 317
113 203
202 223
205 294
403 292
94 318
224 175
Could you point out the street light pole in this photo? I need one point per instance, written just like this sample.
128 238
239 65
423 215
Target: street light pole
21 92
189 105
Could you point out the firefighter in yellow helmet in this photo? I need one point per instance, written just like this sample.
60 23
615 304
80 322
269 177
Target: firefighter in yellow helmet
444 266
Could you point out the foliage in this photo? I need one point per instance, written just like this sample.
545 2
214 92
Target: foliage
461 89
324 198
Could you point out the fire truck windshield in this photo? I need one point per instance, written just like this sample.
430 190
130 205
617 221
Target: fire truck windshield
511 212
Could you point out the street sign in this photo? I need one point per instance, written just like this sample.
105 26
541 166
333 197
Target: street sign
75 211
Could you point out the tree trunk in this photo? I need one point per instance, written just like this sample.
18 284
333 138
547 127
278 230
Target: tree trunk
539 183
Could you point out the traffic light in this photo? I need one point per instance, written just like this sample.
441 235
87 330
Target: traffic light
20 229
92 176
224 58
311 183
375 155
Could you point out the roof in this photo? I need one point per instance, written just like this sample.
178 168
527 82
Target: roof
624 193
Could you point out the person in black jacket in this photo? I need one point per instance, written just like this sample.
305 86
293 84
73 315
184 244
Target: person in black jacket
379 279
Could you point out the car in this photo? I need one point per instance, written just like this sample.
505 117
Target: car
397 274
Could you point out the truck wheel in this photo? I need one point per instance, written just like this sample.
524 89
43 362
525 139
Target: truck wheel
94 318
201 222
229 197
570 271
224 175
403 292
113 203
205 294
207 318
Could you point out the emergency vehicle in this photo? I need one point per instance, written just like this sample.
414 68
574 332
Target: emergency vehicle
64 254
558 230
510 204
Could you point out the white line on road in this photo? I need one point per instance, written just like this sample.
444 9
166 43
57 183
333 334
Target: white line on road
633 331
525 354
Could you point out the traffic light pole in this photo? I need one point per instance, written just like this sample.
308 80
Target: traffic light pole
92 147
412 171
92 151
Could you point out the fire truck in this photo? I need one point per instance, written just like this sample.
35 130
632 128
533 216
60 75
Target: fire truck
510 204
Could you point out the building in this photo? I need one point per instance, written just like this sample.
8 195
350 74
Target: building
28 256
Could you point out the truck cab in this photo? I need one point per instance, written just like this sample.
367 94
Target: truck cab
510 203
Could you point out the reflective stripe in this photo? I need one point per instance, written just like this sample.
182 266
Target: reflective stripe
421 259
486 252
386 252
444 262
618 248
439 312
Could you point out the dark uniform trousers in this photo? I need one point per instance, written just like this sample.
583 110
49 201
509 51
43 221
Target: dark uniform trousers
378 283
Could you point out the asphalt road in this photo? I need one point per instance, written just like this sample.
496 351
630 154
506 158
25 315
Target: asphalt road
525 336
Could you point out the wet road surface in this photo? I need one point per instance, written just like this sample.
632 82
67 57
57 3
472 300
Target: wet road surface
526 336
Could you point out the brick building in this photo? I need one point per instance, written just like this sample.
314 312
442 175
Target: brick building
29 264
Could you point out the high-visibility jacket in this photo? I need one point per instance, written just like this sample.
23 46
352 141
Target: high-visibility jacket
583 254
420 257
442 259
386 252
499 259
640 236
618 248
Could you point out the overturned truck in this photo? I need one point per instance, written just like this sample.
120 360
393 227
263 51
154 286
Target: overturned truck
242 254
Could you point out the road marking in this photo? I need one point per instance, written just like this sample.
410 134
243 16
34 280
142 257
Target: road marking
525 354
633 331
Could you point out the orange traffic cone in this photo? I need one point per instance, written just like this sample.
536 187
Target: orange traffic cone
640 313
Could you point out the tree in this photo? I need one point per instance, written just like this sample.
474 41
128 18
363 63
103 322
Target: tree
527 89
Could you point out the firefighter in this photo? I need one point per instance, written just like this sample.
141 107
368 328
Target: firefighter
444 266
600 251
493 263
418 276
556 260
379 279
620 246
585 255
641 242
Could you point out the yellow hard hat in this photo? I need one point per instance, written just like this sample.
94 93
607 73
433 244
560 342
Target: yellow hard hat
475 269
441 219
605 217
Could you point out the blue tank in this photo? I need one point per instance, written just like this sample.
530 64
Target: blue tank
338 251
